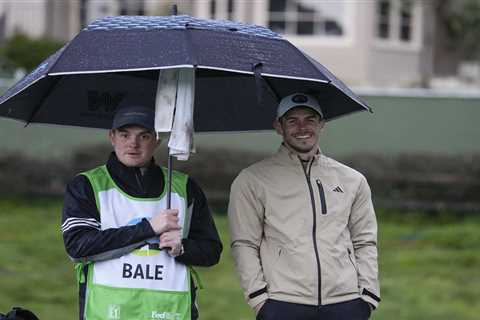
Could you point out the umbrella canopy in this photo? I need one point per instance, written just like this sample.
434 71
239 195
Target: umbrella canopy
241 72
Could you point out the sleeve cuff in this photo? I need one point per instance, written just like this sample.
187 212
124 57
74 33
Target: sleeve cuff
371 298
257 300
257 297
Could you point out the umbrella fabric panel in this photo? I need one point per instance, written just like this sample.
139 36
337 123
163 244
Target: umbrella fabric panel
229 102
22 105
37 74
338 83
90 100
146 23
333 101
136 49
242 52
223 102
104 51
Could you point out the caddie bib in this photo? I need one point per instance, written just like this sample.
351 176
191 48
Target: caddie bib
146 283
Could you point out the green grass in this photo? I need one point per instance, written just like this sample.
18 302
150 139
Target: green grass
429 266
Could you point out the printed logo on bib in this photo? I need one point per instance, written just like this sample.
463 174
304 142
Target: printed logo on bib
152 246
113 312
166 315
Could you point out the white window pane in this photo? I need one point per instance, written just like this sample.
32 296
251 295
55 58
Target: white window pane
406 20
383 18
308 17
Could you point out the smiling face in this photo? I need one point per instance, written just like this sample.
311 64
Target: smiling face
300 128
133 145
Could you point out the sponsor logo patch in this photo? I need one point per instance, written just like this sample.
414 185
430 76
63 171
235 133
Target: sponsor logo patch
151 248
113 312
166 315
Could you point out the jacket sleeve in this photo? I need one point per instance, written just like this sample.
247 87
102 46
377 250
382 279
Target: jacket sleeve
83 238
202 247
363 231
245 217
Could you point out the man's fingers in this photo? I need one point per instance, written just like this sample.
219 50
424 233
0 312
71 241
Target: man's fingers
171 235
169 244
172 226
165 221
173 212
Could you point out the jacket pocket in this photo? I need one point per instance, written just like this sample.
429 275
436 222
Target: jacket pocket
292 271
321 193
352 261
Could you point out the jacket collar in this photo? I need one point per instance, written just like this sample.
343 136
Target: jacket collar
286 153
132 181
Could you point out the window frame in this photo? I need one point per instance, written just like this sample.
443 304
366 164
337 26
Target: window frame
394 40
291 18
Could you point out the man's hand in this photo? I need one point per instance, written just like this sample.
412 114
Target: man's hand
173 240
165 221
259 306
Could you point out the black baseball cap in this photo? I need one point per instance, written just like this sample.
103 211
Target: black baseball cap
134 115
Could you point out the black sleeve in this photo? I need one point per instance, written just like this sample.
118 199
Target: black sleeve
82 236
202 246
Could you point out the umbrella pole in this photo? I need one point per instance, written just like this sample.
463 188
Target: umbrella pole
169 181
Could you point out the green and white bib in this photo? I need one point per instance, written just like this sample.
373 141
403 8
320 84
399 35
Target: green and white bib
146 283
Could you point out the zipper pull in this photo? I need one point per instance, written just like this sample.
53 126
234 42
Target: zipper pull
321 193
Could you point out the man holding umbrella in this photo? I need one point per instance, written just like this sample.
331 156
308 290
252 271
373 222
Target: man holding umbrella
133 255
303 227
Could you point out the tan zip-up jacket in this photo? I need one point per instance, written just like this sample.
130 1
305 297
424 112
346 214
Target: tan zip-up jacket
305 236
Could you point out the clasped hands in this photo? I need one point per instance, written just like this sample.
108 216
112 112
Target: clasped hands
166 224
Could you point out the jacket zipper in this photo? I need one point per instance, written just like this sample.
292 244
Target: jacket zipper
322 196
314 229
140 185
351 260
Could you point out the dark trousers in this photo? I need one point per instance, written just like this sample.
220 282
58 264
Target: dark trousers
349 310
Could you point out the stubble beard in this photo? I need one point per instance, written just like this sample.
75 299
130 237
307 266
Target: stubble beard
301 149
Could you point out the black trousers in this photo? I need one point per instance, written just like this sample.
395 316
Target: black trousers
356 309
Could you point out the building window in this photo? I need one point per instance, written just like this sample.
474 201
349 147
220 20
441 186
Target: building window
307 17
383 13
406 20
83 13
395 20
213 9
222 9
135 8
230 7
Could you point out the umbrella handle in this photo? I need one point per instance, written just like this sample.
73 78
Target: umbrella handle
169 181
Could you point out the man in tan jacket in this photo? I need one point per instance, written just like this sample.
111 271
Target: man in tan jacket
303 227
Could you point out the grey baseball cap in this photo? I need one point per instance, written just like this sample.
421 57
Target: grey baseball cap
298 100
134 115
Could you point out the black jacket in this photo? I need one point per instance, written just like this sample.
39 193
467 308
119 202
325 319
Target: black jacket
85 242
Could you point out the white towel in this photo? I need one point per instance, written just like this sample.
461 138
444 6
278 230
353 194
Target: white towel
165 99
174 109
181 137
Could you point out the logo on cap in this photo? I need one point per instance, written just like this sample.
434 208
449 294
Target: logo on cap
299 98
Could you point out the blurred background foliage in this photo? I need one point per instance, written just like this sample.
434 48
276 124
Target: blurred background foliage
23 52
461 18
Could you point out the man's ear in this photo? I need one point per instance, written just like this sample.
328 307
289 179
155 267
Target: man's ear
277 125
322 124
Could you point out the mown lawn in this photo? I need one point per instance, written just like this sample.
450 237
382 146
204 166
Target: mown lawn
430 266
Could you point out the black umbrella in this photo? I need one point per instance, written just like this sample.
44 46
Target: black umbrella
241 72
